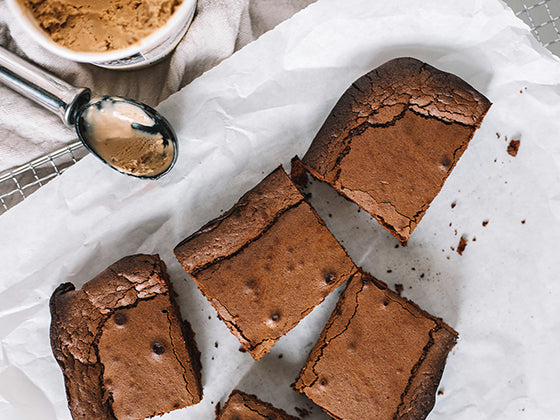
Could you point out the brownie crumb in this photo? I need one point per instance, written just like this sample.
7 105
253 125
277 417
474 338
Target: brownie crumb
474 239
280 355
422 275
242 350
450 224
498 135
389 271
453 205
484 223
440 392
396 246
513 147
523 222
216 344
462 245
298 173
302 412
455 231
452 248
399 288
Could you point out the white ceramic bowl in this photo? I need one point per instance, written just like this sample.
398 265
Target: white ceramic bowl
148 50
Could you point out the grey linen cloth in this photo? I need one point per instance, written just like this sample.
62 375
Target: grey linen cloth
220 27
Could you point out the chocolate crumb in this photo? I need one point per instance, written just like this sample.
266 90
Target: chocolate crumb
462 245
397 245
280 355
474 239
298 173
389 271
302 412
422 275
440 392
217 409
523 222
452 248
399 288
216 344
513 147
413 268
484 223
450 224
498 135
242 349
453 205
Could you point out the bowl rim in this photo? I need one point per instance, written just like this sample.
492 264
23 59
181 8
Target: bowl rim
24 17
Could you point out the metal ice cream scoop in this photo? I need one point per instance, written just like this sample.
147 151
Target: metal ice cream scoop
129 136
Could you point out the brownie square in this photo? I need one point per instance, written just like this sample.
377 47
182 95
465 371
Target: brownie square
266 263
393 138
248 407
379 357
122 345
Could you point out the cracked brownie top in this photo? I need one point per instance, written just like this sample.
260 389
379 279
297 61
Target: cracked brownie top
122 345
248 407
379 357
266 263
393 138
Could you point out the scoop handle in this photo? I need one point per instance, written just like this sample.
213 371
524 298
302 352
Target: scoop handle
45 89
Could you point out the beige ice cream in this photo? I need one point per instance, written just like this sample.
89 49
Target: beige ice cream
110 134
100 25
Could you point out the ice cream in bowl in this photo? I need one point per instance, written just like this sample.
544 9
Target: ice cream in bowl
115 34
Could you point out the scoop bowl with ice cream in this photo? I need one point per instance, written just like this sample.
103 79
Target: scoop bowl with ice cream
129 136
116 34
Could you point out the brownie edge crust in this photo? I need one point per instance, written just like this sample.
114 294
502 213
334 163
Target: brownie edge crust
121 343
380 356
248 407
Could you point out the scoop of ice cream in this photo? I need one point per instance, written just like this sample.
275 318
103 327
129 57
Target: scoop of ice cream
100 25
112 136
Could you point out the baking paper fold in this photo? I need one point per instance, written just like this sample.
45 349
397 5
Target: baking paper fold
261 107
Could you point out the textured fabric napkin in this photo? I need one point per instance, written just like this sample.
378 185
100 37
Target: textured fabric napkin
219 28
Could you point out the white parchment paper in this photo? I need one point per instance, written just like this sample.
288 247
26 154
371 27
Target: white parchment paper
262 106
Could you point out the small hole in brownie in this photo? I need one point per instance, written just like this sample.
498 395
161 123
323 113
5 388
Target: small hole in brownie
385 302
120 318
163 311
329 278
275 316
445 162
324 382
157 348
176 405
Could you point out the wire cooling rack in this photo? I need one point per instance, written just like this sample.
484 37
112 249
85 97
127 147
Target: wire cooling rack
542 16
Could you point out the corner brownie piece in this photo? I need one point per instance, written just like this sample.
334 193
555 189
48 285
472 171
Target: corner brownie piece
379 357
248 407
393 138
266 263
122 345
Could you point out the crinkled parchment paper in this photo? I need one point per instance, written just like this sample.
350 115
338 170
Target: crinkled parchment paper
261 107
